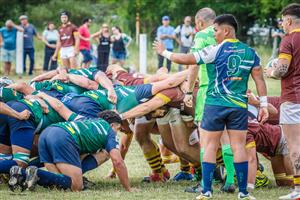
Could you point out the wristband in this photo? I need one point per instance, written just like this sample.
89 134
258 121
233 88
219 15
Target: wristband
250 186
167 54
263 101
121 116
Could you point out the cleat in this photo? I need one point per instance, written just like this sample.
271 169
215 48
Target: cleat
230 188
293 195
166 174
195 189
183 176
87 184
204 196
31 178
245 196
16 179
261 180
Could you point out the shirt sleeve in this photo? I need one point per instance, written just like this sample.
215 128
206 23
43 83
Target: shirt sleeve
34 30
75 30
173 31
285 49
112 141
206 55
257 62
168 95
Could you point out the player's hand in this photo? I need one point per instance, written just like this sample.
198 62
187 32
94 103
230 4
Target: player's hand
61 77
54 57
252 99
268 72
188 100
158 47
263 114
112 96
24 115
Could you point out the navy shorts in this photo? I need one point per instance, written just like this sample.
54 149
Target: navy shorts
143 92
21 131
119 55
82 105
4 130
56 145
87 57
54 93
216 118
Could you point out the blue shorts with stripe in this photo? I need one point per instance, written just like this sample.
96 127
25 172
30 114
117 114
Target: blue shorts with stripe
216 118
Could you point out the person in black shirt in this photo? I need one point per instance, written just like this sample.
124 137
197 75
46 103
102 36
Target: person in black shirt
119 48
104 39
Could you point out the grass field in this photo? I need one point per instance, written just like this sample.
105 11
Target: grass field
137 167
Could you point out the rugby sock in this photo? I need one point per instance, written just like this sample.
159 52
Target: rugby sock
297 183
5 156
207 176
185 166
49 179
88 163
228 161
242 176
5 166
154 159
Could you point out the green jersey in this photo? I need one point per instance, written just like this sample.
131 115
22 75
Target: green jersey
126 98
228 77
42 120
88 72
202 39
90 135
59 86
8 94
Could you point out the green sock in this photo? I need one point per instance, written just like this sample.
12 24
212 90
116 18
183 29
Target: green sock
228 161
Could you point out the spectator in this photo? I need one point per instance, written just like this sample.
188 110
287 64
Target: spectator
50 37
29 32
104 39
85 44
185 34
277 35
68 42
8 37
120 42
166 34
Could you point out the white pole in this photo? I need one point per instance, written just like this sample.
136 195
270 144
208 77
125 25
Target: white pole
19 53
143 53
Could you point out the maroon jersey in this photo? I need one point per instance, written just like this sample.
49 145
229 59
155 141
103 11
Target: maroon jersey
290 83
276 102
265 137
128 79
66 35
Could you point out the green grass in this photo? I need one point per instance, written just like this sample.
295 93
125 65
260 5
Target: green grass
137 166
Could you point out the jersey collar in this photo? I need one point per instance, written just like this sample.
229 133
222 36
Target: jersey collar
231 40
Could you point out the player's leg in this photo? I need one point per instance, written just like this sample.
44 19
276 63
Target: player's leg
73 62
228 162
66 63
150 149
279 171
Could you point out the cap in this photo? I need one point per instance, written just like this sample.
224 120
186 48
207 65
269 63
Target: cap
165 18
23 17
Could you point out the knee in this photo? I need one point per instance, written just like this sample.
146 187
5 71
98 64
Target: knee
77 184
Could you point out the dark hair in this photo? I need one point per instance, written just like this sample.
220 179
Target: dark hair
110 116
49 24
291 9
227 19
86 20
65 13
120 30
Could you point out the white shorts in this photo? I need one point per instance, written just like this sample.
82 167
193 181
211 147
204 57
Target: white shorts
289 113
173 116
67 52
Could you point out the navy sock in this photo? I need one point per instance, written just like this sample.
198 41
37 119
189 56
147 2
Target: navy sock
207 175
241 170
5 166
49 179
88 163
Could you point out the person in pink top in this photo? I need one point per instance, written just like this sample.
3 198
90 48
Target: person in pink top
85 44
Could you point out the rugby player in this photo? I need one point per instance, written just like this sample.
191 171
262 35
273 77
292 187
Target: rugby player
6 110
205 37
226 101
287 69
60 146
